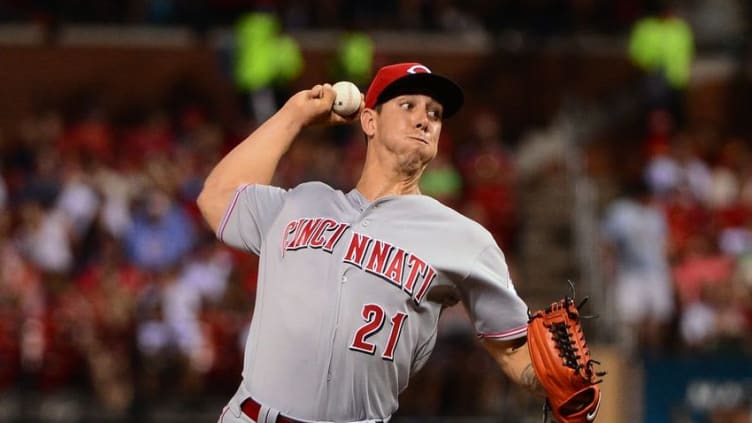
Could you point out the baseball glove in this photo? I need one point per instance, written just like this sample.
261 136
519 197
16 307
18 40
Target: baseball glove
562 363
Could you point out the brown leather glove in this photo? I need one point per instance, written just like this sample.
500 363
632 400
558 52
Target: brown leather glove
562 362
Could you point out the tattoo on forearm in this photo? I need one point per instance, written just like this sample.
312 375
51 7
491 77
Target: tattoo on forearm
529 381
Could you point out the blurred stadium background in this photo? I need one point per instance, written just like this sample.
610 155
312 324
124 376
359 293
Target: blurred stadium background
586 122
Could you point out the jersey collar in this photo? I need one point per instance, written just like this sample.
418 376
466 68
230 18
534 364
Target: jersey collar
358 200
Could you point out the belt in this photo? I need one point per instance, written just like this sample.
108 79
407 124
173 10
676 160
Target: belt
251 409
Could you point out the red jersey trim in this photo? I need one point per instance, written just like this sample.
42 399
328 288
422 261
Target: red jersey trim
228 212
511 333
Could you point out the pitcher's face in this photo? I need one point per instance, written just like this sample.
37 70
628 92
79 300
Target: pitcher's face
409 127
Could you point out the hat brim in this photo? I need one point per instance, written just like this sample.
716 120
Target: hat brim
440 88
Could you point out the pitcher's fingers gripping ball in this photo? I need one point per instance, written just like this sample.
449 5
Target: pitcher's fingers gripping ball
562 363
348 98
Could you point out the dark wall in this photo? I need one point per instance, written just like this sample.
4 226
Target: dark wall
525 89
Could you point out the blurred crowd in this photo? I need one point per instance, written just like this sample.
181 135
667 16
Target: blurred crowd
109 281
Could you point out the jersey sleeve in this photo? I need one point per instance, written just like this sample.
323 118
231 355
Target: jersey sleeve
249 215
497 312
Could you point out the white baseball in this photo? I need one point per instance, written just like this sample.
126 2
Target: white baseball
348 98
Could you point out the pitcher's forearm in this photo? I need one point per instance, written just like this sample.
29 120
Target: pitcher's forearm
514 359
530 381
253 161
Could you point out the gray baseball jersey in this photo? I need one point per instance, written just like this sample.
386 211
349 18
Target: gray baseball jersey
350 292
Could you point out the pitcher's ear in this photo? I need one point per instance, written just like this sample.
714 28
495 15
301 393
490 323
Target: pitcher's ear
368 122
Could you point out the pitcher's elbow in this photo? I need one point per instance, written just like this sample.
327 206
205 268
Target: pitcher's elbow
201 201
208 208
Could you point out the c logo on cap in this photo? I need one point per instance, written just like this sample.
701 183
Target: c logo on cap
418 69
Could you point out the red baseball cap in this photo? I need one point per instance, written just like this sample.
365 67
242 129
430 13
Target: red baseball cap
414 78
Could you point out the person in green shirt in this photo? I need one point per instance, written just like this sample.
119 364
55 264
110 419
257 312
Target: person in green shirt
662 45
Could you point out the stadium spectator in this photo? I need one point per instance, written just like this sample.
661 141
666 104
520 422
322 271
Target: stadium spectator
161 233
637 233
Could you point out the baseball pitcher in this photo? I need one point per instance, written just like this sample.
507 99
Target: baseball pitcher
351 284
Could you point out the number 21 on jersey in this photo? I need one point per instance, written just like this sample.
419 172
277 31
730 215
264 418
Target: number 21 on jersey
375 317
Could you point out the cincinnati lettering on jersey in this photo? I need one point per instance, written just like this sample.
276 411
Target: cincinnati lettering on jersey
400 268
317 232
393 264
